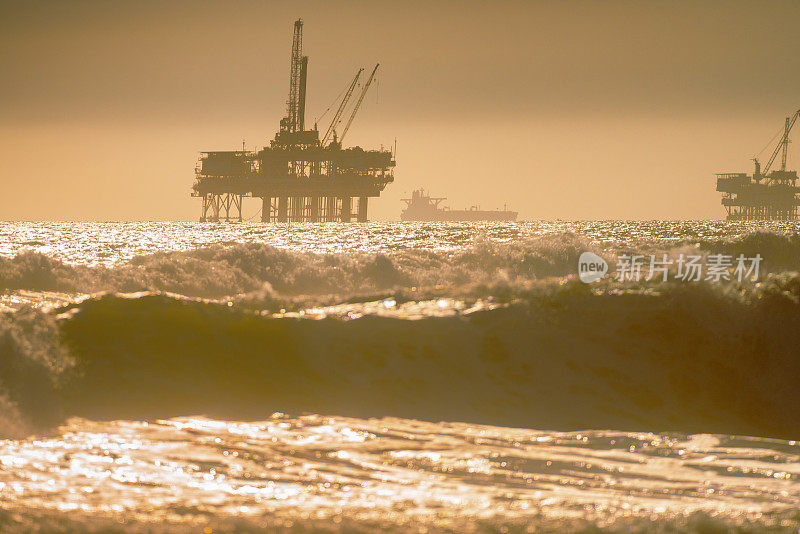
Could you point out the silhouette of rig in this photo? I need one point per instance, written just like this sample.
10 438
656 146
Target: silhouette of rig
767 194
299 177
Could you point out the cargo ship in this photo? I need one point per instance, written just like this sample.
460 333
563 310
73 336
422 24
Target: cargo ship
423 207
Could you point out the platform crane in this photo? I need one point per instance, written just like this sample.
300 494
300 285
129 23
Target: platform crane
338 117
782 147
358 102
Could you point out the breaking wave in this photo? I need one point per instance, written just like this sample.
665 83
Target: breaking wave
689 358
220 271
32 362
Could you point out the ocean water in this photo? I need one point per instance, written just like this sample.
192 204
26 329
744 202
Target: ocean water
396 376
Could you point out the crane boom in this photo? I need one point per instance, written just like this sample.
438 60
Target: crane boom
338 117
358 102
783 145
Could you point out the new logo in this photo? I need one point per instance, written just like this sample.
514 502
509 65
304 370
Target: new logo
591 267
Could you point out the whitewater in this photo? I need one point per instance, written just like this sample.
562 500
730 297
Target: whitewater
395 376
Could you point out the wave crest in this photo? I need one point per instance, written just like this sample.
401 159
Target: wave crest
220 271
690 358
229 270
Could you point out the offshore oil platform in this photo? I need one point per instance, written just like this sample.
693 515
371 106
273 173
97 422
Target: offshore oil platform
299 177
767 194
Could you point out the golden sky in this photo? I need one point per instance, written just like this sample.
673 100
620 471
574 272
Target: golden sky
572 110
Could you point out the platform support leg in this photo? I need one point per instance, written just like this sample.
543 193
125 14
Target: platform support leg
208 207
295 209
283 208
346 209
237 203
330 209
215 205
266 208
362 209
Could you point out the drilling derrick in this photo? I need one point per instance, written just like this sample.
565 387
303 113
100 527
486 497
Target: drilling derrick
298 177
766 194
295 106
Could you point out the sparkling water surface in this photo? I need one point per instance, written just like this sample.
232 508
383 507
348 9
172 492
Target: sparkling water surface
111 243
393 472
320 470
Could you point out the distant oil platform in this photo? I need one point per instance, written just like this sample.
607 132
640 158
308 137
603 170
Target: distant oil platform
423 207
767 194
299 177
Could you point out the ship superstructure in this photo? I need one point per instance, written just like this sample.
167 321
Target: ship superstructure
423 207
766 194
299 177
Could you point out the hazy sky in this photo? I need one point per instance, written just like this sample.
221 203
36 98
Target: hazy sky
573 110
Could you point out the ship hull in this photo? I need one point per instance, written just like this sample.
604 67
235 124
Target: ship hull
460 216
